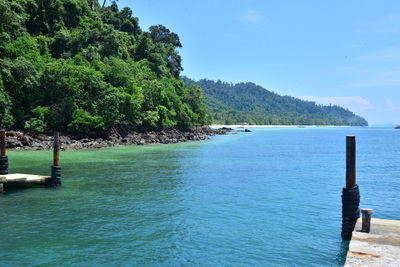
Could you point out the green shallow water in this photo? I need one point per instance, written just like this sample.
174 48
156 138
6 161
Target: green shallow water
266 198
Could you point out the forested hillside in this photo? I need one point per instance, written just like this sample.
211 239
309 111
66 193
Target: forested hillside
76 66
249 103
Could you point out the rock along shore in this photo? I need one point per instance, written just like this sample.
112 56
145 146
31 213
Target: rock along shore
21 140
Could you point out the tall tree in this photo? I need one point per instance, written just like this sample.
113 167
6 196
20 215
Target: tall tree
163 35
104 2
170 42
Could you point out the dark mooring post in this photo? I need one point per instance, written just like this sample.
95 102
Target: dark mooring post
366 220
3 156
56 169
351 193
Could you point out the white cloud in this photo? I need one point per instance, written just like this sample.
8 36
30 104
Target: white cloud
353 103
391 106
251 16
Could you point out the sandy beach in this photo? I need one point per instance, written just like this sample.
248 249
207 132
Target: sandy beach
216 126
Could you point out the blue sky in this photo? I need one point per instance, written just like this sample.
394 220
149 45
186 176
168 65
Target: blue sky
342 52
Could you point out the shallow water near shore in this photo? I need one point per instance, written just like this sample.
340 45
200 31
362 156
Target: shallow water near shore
269 197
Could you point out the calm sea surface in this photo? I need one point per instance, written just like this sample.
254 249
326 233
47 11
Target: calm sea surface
271 197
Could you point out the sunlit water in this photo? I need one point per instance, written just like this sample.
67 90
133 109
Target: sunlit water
270 197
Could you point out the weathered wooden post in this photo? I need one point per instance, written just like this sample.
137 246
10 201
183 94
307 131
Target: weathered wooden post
56 169
3 156
366 220
351 193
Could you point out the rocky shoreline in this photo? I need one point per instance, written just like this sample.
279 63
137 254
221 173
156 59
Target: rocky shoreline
21 140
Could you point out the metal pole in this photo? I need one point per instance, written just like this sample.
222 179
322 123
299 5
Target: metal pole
56 169
350 193
56 150
3 143
350 161
3 154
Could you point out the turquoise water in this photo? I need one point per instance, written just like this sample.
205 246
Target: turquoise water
266 198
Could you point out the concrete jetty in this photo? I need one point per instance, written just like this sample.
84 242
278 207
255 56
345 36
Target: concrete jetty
380 247
17 179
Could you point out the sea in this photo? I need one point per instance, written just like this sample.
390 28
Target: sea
270 197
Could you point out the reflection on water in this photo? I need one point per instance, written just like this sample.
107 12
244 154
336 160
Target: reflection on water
124 196
341 256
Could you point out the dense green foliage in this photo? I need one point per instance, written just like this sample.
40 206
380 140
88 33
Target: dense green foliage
78 66
248 103
75 65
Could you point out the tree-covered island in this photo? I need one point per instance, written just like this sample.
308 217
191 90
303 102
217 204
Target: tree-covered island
250 103
81 66
73 65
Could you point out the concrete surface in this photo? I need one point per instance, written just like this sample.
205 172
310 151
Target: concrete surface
380 247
